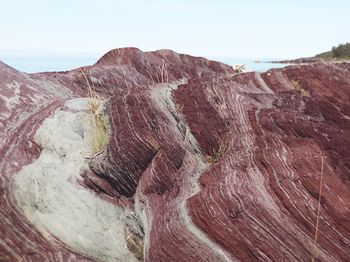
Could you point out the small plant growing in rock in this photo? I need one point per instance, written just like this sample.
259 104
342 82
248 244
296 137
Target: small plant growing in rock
299 88
218 153
161 75
314 251
134 235
240 68
100 134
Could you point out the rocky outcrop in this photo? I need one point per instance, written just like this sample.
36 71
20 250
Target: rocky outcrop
203 163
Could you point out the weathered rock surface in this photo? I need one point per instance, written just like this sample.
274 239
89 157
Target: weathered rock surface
202 164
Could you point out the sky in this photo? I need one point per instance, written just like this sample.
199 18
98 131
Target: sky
247 29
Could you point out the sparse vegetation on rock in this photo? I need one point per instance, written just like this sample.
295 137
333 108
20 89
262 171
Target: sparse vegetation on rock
100 131
342 51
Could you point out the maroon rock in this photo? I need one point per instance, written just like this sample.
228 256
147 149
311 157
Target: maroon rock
218 166
194 101
137 137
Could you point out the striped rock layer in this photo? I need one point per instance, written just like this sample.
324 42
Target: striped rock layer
211 164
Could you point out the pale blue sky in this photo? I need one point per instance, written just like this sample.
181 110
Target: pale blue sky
251 28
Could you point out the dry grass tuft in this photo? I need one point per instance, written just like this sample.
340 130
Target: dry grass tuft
100 133
299 88
161 73
135 245
314 252
213 158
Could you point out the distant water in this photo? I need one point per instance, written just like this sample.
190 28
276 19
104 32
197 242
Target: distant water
48 62
251 64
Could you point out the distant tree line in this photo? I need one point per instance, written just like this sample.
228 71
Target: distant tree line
341 51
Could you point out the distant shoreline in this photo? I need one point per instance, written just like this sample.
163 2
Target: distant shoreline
298 60
307 60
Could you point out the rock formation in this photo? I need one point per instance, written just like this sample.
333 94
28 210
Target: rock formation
203 163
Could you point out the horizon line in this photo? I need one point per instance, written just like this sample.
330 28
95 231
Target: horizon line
101 53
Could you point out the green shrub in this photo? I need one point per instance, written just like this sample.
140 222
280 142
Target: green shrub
341 51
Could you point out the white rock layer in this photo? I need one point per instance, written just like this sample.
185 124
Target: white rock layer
48 194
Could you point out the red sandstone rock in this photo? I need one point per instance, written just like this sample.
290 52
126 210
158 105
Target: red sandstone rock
218 166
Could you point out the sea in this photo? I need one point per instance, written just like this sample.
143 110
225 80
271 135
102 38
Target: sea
35 62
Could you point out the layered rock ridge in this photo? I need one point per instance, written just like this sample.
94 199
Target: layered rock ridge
202 163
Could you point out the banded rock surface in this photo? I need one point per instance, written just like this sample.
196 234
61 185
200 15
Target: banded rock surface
202 164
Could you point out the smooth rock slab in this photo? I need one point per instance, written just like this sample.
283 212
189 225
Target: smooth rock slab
48 194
